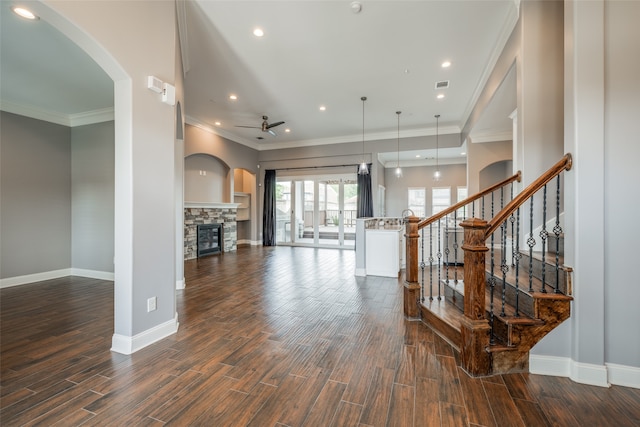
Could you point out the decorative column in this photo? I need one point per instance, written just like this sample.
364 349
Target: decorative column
411 285
474 327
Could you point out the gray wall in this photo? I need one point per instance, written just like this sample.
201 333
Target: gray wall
622 198
495 173
206 179
57 187
92 195
35 197
421 176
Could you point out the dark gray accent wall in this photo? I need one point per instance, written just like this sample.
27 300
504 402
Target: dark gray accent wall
92 196
35 196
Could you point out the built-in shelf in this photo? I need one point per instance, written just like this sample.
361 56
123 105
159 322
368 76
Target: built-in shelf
244 206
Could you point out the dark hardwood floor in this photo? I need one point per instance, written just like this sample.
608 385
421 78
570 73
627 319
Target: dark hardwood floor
268 337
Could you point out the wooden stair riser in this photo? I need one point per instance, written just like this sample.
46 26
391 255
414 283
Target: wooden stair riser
523 332
550 273
551 244
454 295
525 302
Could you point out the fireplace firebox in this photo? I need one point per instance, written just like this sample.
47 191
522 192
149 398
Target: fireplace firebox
209 239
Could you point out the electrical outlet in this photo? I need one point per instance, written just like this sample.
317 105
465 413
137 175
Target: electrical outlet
151 304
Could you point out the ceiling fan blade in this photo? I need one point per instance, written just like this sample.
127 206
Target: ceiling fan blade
272 125
272 132
250 127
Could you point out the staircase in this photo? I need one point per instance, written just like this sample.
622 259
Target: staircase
507 296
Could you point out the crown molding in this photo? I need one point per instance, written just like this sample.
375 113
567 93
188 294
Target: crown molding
410 133
70 120
506 135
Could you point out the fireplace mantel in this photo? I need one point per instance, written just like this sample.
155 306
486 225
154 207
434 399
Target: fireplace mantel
211 205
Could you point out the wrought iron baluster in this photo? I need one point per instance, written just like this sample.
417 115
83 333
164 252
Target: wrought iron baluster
557 230
439 255
512 218
531 242
503 264
446 248
422 264
517 255
492 203
473 209
483 206
543 235
455 247
431 262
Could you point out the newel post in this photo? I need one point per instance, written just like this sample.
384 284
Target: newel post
474 327
411 285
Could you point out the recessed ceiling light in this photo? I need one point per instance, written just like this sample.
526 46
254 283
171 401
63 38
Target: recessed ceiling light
25 13
287 130
440 96
418 156
463 153
323 108
446 64
217 123
258 32
233 97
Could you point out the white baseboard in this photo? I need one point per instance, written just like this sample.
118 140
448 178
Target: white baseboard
585 373
55 274
626 376
180 284
128 345
249 242
93 274
31 278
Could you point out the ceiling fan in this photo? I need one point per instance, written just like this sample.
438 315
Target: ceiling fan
266 126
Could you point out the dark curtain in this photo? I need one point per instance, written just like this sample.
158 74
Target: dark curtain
365 199
269 210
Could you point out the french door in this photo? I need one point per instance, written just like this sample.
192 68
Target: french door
316 211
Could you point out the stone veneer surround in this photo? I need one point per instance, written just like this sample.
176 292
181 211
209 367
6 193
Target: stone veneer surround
220 213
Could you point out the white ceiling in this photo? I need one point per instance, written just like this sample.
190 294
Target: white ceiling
313 53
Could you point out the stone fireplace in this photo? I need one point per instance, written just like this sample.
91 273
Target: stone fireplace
223 214
209 239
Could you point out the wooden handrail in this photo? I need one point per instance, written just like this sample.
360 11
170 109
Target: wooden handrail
516 202
453 208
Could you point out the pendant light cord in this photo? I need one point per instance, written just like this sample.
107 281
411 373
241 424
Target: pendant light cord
398 162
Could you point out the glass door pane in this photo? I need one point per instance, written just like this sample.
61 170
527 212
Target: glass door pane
305 215
283 211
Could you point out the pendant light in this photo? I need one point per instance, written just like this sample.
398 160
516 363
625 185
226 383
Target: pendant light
363 169
398 169
436 175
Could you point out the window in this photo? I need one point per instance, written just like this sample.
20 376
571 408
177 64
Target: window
440 199
462 194
417 201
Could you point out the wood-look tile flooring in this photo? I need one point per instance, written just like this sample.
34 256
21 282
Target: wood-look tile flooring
274 336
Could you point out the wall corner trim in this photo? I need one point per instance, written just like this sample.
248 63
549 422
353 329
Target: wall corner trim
180 284
129 345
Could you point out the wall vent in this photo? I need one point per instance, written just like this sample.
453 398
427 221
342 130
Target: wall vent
444 84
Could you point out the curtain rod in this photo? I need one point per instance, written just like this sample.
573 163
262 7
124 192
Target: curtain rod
316 167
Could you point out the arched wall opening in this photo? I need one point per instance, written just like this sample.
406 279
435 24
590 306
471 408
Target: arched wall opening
207 179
